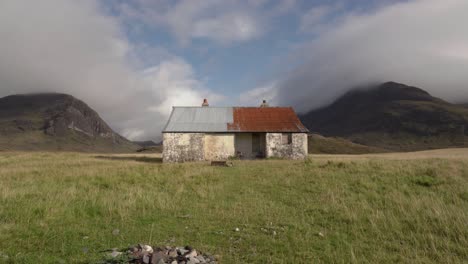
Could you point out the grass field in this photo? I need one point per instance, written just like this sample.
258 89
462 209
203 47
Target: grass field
382 208
318 144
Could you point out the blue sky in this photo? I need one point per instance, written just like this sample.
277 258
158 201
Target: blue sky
133 60
235 65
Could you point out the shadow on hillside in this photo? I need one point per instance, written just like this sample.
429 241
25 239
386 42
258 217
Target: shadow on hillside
139 159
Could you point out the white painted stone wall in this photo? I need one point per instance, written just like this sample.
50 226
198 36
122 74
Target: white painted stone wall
181 147
296 150
219 146
184 147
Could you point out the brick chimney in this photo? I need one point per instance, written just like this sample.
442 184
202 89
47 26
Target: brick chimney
264 104
205 103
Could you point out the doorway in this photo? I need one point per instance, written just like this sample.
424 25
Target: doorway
258 145
250 145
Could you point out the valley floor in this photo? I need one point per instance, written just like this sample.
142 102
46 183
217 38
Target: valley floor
373 208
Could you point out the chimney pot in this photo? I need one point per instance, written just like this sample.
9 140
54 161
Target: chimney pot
264 104
205 102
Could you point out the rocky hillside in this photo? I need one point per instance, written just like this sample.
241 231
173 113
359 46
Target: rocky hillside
55 121
392 116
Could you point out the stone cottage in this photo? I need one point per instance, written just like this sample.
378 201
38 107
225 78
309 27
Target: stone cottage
218 133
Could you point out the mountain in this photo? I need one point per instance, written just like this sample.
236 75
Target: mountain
149 146
318 144
146 143
392 116
53 121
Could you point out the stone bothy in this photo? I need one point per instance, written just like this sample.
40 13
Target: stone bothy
219 133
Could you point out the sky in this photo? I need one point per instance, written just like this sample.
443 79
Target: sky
133 60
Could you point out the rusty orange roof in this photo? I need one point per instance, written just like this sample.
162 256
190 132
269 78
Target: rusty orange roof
265 119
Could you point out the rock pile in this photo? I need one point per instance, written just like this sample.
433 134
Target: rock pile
145 254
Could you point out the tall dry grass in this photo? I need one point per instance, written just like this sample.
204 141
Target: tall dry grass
329 209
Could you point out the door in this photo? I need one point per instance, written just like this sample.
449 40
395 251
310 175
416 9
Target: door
243 145
258 145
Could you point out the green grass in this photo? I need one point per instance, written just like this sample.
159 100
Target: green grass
402 141
37 140
57 206
318 144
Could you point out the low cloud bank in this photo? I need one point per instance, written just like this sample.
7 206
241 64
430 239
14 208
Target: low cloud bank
72 47
421 43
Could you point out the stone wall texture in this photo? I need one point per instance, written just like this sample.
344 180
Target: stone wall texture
296 150
182 147
219 146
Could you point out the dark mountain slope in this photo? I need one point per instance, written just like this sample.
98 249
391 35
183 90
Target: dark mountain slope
55 122
318 144
392 116
146 143
149 146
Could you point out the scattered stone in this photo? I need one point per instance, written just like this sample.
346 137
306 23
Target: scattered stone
146 258
145 254
146 248
192 254
321 234
193 261
237 229
159 257
172 253
161 261
182 251
200 258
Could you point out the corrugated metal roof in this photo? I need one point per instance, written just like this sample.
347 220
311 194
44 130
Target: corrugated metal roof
234 119
199 119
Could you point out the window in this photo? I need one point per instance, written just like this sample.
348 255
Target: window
286 138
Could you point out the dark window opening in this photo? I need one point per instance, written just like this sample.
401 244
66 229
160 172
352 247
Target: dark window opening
286 138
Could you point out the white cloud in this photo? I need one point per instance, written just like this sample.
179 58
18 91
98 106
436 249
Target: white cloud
175 81
255 96
226 29
420 42
221 21
69 46
215 20
134 133
313 17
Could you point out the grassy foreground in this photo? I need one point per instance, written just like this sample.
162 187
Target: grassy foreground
66 207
